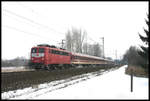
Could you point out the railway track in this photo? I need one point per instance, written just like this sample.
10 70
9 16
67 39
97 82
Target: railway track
20 80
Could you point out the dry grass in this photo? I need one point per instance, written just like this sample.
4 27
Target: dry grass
137 71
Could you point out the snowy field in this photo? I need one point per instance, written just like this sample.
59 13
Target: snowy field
109 85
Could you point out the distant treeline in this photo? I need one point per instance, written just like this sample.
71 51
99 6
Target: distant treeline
19 61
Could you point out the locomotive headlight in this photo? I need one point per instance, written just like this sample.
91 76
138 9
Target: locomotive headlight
31 58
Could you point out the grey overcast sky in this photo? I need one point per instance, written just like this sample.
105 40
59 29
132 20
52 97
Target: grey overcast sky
26 24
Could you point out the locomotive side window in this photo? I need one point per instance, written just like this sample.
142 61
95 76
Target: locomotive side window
53 51
41 50
59 52
34 50
65 53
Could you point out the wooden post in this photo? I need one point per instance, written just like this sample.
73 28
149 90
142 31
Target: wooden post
131 80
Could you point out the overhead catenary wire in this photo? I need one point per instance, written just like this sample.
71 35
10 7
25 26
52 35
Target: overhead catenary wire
24 22
91 39
26 32
21 21
39 23
32 21
27 7
35 12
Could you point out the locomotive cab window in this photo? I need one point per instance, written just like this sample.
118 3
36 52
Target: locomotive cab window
41 50
34 50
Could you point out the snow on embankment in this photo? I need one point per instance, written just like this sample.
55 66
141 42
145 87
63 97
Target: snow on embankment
112 85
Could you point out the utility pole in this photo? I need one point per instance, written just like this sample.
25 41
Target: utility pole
103 47
116 56
62 43
86 44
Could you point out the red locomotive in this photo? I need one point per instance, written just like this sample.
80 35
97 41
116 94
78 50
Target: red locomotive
50 57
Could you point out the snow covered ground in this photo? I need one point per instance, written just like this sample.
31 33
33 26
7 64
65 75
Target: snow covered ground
110 85
14 69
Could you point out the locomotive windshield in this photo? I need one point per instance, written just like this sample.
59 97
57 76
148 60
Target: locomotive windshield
40 52
34 50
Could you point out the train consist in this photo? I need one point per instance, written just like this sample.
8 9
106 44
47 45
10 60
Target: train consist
50 57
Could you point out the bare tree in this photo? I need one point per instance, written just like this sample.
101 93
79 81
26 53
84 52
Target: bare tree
75 40
68 41
89 49
85 48
132 57
94 49
18 61
97 50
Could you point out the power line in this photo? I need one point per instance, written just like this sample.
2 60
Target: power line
27 7
32 21
29 33
23 30
33 11
91 39
22 22
19 20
